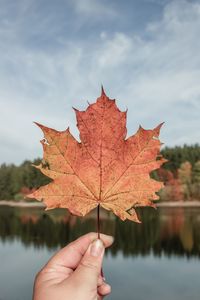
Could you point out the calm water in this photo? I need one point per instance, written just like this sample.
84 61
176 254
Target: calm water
156 260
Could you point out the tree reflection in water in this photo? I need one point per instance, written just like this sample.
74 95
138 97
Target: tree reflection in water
172 231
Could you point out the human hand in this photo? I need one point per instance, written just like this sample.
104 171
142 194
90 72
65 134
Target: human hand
74 273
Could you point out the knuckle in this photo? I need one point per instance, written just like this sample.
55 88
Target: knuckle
42 274
39 276
89 265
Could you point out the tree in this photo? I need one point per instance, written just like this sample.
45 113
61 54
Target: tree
185 173
173 190
196 172
185 177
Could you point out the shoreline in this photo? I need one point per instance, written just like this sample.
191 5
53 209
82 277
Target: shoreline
24 204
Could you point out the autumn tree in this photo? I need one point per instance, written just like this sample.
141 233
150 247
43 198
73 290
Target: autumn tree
185 177
185 173
173 190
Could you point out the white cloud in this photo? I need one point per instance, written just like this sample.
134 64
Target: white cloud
115 51
156 77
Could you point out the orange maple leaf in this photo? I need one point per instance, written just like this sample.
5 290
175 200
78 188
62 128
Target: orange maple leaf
103 169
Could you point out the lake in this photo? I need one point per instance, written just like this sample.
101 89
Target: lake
156 260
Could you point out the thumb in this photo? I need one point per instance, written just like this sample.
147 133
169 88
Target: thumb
89 268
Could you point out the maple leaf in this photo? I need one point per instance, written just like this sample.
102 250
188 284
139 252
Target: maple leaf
103 169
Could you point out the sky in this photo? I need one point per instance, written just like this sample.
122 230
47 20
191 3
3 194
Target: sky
57 54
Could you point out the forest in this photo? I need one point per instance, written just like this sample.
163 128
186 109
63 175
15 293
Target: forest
181 176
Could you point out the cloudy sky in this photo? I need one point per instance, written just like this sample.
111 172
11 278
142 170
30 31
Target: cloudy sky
56 54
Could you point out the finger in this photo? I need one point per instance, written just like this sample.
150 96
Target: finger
71 255
100 280
88 271
104 289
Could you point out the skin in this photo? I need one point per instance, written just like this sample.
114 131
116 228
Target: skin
75 271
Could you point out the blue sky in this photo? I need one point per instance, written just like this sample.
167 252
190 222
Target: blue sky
56 54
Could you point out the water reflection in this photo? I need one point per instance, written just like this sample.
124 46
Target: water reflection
172 231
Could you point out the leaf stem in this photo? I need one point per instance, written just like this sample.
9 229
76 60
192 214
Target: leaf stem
98 221
98 232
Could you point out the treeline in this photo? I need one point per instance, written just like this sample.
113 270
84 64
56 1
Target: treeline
179 154
17 181
181 175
